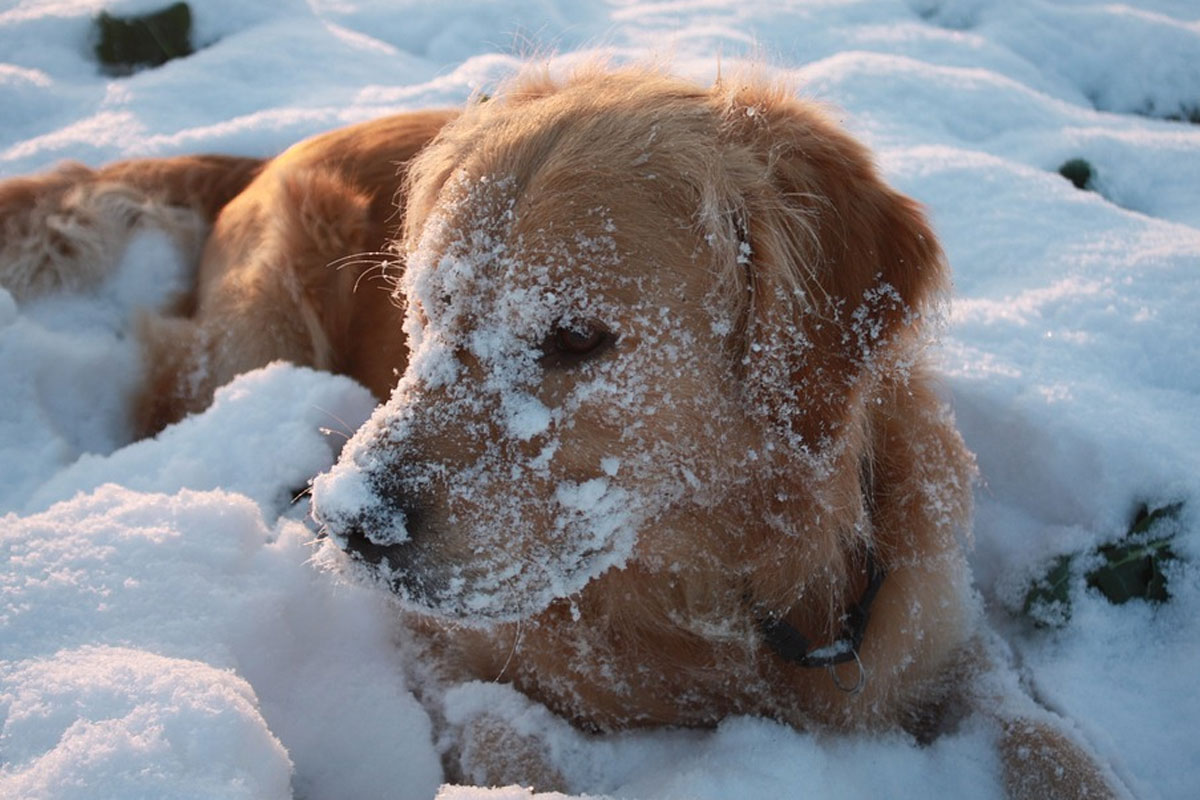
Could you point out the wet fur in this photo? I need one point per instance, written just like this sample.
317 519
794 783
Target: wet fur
750 170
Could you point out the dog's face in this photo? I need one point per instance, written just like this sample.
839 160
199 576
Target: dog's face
601 371
570 387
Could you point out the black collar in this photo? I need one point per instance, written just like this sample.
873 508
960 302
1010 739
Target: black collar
793 646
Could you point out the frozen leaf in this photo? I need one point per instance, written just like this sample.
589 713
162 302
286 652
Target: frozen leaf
1132 568
1135 568
145 40
1078 172
1048 602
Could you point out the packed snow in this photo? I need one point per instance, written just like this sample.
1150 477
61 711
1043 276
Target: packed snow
166 626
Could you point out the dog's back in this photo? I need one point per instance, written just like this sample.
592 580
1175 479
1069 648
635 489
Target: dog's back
68 228
290 255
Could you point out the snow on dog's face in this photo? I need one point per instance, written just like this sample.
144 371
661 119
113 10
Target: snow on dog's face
639 314
562 379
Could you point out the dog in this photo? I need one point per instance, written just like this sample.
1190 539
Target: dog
663 447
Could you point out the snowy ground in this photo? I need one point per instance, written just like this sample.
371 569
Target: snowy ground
162 630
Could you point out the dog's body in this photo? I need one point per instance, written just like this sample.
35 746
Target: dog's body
665 450
264 235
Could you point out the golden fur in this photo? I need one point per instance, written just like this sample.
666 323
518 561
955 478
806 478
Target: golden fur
770 296
820 225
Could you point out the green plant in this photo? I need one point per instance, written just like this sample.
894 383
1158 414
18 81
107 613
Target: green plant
1048 601
145 40
1131 568
1134 568
1078 172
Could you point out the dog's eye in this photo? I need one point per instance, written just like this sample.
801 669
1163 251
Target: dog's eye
569 344
579 342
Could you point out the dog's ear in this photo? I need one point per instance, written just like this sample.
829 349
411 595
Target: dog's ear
840 270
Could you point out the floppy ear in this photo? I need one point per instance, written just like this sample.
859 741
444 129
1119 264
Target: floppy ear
841 269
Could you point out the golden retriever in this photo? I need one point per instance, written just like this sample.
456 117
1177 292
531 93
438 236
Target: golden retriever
663 449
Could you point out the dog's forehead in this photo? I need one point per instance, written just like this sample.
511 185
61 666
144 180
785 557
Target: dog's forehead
580 236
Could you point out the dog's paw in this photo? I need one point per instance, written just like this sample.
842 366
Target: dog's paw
496 736
1041 760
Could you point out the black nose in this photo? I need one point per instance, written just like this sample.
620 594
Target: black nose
357 541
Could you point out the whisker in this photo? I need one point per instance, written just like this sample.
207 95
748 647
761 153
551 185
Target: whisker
366 256
345 431
513 650
376 265
377 271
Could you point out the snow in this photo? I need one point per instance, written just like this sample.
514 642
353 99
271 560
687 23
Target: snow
166 628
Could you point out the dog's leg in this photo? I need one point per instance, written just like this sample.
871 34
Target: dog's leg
1041 757
493 753
492 735
1041 760
270 290
68 228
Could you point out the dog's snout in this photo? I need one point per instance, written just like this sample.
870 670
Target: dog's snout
390 540
394 514
358 542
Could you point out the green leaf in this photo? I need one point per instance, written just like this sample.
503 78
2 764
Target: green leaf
1048 601
1144 519
145 40
1133 567
1078 172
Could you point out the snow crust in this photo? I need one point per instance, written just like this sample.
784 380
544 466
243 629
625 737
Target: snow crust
163 630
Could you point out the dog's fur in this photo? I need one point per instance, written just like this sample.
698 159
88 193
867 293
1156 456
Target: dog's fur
756 433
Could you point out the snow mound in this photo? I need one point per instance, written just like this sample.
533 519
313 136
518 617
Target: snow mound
164 632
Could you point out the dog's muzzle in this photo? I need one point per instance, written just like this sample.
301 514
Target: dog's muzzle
356 539
372 524
398 563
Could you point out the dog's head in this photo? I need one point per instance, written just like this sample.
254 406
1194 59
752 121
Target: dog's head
643 318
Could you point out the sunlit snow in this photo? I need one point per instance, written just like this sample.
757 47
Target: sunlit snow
167 626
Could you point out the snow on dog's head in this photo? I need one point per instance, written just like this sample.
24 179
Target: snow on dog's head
562 378
623 350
